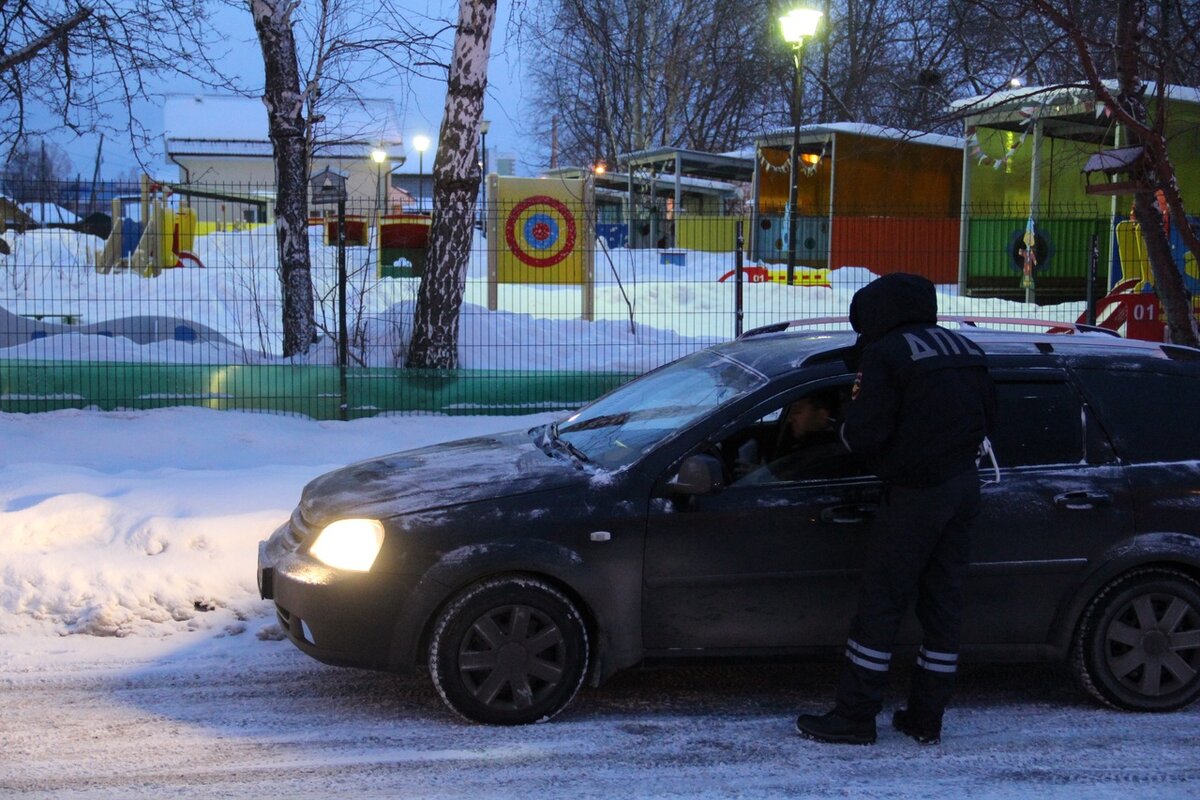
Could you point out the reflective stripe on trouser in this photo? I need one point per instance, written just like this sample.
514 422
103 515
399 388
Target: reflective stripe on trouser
932 683
934 661
866 657
919 550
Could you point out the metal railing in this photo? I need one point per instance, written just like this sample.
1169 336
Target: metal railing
123 296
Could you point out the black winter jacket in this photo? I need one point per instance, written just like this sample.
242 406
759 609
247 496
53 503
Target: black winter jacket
923 400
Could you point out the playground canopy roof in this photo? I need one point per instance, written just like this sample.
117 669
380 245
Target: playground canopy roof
1066 112
817 130
613 183
224 125
736 166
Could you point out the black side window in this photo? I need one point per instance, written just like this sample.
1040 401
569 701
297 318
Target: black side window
794 441
1037 423
1149 415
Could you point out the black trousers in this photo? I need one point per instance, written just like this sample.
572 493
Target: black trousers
920 546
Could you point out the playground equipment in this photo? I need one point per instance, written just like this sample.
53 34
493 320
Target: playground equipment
867 196
1031 167
1131 308
541 231
160 238
803 276
403 244
357 229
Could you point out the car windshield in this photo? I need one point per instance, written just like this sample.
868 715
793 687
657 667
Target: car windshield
619 427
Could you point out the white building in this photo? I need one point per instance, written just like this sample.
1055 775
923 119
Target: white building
220 142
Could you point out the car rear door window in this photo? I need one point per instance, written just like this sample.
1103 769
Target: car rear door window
1147 414
1038 422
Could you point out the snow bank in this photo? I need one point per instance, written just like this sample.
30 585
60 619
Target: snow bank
148 523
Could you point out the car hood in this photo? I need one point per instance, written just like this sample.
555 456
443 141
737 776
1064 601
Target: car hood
447 474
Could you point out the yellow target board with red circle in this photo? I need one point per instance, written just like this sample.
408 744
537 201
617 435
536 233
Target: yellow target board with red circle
540 229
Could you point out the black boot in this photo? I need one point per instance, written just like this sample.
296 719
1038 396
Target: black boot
924 731
833 728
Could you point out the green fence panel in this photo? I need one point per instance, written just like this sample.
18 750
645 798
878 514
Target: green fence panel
474 391
29 386
1064 249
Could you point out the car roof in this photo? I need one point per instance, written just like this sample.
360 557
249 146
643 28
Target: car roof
779 349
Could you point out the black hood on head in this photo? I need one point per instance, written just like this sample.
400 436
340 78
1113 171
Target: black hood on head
891 301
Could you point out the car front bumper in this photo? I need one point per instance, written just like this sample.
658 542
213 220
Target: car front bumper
335 616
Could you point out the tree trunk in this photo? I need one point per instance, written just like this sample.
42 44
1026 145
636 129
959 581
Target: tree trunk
456 177
1168 283
286 124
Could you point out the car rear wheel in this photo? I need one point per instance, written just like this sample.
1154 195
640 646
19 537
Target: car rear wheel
1138 646
509 651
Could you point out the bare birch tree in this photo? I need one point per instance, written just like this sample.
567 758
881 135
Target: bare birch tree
456 175
340 48
288 128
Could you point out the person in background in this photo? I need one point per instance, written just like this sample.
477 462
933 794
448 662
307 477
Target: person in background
921 408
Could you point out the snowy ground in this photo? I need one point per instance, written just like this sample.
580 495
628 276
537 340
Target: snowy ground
136 660
646 312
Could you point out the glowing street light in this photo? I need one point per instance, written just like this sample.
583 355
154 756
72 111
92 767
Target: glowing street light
421 143
796 26
379 155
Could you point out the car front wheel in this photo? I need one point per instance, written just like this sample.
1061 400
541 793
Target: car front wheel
1138 646
509 651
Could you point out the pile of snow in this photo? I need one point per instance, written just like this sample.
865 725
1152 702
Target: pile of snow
148 523
49 214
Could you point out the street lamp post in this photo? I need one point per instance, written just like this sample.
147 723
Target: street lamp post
483 131
421 142
797 24
379 155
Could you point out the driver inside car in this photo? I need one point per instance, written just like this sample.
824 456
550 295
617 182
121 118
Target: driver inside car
806 447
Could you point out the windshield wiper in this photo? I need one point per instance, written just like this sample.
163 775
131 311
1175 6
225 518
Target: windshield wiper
549 441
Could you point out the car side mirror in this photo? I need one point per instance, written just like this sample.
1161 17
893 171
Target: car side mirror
698 474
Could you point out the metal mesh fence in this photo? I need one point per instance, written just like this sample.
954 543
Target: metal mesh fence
134 296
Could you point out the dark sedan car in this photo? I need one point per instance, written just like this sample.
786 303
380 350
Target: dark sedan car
674 517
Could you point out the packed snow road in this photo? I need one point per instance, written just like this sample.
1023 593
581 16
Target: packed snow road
232 715
132 666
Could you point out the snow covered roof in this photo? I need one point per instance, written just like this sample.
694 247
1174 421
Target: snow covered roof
1058 95
863 129
696 163
1064 112
619 181
209 125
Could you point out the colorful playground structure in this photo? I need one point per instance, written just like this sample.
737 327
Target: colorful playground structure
1131 307
161 237
803 276
152 231
403 243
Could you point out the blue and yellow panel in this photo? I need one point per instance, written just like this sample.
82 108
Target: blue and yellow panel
1134 263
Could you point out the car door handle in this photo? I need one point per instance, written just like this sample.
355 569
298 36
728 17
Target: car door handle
848 514
1082 500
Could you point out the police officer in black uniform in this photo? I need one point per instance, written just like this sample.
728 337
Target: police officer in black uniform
921 407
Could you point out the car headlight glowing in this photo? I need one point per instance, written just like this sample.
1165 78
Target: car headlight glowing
349 544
